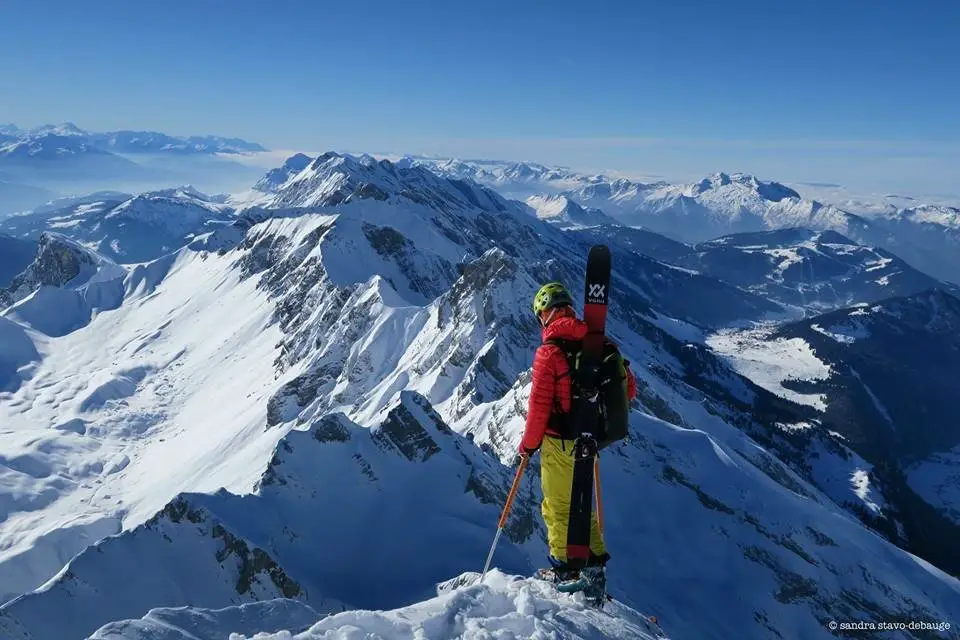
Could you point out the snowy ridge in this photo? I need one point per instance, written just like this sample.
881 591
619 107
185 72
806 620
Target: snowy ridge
193 623
505 605
110 405
522 608
333 179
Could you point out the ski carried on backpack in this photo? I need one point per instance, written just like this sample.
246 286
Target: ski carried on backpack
586 422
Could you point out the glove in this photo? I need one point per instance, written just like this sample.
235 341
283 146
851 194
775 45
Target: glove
524 453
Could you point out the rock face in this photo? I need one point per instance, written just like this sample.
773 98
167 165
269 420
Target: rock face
57 263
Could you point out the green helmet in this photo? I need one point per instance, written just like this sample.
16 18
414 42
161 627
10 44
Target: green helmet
550 295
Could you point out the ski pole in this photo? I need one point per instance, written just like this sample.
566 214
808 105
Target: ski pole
506 512
596 490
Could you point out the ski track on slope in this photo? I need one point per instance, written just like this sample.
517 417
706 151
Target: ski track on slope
112 425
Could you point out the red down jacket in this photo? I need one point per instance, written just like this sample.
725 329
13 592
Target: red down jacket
550 381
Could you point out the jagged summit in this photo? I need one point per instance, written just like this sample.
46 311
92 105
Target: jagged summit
59 262
275 178
333 179
772 191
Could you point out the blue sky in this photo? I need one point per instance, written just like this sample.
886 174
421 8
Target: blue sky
850 91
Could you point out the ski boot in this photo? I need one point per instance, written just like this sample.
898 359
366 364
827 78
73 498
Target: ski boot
595 586
559 573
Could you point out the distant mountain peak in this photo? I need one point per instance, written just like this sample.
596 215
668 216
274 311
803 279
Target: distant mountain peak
772 191
559 209
275 178
62 129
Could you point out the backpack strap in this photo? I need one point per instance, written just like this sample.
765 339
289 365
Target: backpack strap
569 349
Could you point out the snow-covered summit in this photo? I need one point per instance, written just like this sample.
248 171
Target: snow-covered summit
333 179
175 211
275 178
504 605
772 191
931 215
62 129
562 211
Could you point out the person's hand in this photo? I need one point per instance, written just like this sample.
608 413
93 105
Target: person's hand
524 453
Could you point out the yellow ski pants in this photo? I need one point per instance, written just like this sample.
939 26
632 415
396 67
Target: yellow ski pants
556 476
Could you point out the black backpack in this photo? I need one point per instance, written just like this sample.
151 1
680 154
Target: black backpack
613 405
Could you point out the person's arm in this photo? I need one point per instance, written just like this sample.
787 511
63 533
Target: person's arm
541 400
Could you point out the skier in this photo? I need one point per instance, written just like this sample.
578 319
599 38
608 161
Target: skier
551 397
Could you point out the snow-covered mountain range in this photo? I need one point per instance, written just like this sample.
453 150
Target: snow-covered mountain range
37 165
127 228
926 236
67 137
306 399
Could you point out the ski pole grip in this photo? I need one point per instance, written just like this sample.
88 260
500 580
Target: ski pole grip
513 491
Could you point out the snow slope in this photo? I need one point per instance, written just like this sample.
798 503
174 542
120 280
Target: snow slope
107 410
770 363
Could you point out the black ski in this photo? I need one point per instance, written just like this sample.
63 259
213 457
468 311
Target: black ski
586 422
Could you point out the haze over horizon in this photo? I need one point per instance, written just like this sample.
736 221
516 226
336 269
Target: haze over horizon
859 95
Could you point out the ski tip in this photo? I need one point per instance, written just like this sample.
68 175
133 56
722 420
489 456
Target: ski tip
599 252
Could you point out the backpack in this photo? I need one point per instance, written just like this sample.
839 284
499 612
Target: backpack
613 407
